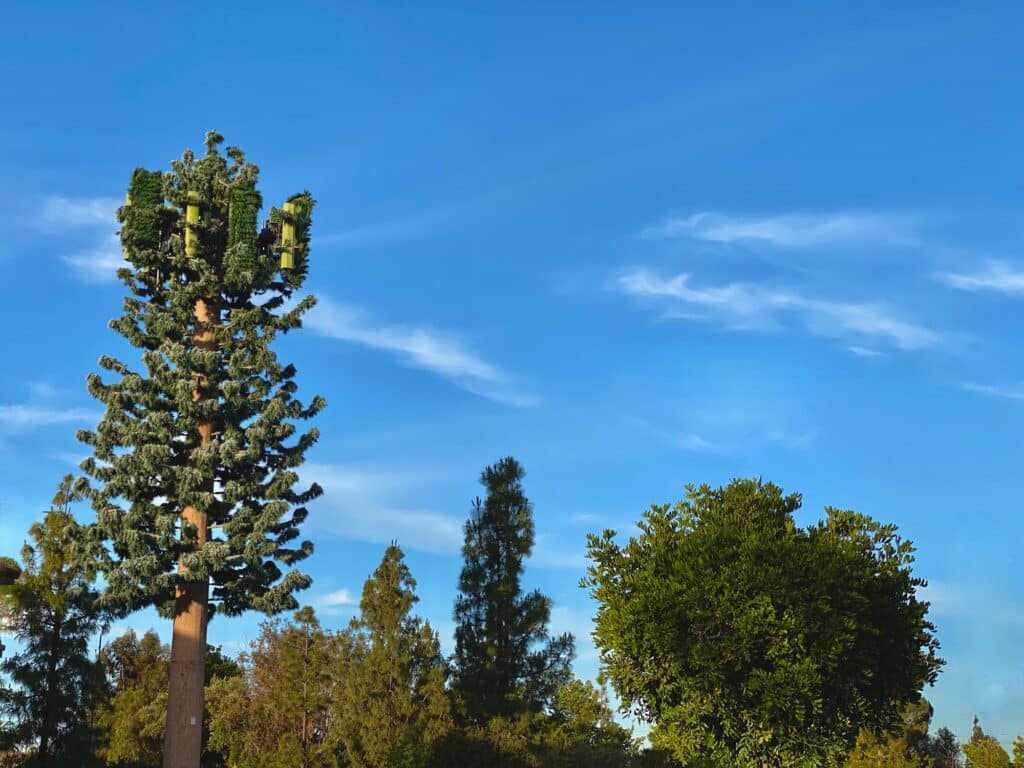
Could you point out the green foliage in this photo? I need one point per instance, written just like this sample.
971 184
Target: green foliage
147 463
984 751
132 721
909 747
504 658
391 704
275 714
9 571
53 610
746 640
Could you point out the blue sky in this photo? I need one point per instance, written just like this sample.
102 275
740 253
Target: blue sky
633 249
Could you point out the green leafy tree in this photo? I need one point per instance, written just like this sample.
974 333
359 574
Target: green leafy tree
585 726
1018 752
391 704
132 721
194 462
984 751
907 747
505 660
749 641
53 612
276 714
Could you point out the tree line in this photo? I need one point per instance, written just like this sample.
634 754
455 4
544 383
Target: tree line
380 693
376 693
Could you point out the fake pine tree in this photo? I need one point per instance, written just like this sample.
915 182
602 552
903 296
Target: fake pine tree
194 463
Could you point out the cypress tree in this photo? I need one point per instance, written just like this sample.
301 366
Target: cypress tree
505 661
194 462
53 611
391 704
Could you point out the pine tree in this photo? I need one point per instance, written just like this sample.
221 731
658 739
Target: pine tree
944 749
504 658
391 702
54 611
194 460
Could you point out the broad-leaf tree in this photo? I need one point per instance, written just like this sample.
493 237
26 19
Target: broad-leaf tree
194 462
749 641
276 714
505 661
53 611
133 718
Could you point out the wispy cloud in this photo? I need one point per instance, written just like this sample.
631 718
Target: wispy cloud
98 264
864 351
791 230
60 212
733 436
994 391
753 307
335 602
366 504
22 418
90 222
419 347
997 276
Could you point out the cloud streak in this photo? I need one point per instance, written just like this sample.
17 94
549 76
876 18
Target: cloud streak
22 418
752 307
790 230
99 264
996 277
365 504
994 391
60 212
419 347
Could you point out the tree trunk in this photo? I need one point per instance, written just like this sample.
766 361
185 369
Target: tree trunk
183 739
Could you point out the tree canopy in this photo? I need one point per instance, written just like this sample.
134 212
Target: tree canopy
747 640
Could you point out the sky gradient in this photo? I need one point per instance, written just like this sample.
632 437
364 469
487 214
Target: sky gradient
634 250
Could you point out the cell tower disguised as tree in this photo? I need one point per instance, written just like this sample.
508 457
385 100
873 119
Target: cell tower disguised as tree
194 463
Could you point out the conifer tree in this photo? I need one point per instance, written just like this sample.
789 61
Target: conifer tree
276 712
391 701
504 659
53 611
194 462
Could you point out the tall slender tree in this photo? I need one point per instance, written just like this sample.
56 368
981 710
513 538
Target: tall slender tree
390 704
53 611
505 661
194 462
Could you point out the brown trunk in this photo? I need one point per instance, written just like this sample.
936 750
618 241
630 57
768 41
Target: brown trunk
183 739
